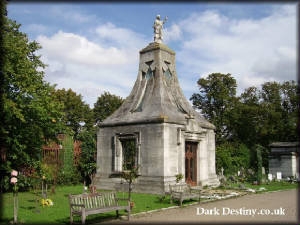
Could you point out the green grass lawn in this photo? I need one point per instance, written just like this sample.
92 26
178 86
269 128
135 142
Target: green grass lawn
31 212
271 186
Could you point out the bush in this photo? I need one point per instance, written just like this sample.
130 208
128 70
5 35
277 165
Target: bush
69 178
87 162
232 157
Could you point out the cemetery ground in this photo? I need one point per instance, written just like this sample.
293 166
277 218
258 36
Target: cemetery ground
31 211
268 208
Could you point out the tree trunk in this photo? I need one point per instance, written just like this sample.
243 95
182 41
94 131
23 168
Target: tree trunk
130 189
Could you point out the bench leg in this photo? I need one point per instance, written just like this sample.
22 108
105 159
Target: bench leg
83 217
71 215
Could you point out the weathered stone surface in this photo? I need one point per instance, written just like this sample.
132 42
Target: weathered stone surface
156 97
284 158
161 120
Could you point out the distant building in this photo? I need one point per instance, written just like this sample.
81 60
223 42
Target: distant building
284 158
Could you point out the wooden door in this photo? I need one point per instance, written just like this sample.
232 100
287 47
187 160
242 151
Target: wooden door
191 163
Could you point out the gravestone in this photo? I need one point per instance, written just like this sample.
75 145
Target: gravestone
278 176
270 177
263 171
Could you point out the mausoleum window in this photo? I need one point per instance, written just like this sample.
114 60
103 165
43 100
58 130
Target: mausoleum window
128 153
149 74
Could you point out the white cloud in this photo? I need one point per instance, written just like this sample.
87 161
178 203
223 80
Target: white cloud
252 50
92 67
77 49
172 33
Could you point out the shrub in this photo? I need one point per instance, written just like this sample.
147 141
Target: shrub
232 157
87 161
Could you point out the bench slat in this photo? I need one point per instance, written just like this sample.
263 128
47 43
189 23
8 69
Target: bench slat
95 203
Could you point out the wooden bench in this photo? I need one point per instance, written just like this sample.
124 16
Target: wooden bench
182 192
87 204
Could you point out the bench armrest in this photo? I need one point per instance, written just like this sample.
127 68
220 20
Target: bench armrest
178 192
122 199
78 205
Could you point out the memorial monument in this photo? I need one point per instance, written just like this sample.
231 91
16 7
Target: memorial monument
168 135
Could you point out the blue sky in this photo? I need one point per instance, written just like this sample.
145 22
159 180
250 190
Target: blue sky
93 47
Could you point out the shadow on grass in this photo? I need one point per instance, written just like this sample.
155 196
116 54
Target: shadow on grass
28 207
92 219
6 221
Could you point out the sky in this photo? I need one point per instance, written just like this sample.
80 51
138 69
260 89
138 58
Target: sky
94 47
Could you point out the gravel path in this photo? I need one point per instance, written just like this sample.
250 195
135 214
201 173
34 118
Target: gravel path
284 203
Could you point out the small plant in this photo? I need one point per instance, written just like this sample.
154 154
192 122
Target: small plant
47 202
162 198
130 176
205 187
179 177
131 205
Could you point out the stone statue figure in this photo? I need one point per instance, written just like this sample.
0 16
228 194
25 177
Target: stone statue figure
158 26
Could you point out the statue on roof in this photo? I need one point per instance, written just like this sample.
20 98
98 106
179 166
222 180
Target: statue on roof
158 26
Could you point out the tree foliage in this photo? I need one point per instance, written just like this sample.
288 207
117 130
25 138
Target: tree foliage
259 116
87 163
106 104
216 101
77 113
31 115
232 157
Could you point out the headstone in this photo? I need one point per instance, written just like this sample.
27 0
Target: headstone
270 177
239 173
263 171
85 189
242 186
278 176
222 171
250 171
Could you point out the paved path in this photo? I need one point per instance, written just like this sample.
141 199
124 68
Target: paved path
282 202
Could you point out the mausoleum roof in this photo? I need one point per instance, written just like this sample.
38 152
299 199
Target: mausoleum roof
156 95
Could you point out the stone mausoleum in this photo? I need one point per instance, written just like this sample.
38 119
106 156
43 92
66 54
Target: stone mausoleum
284 158
169 136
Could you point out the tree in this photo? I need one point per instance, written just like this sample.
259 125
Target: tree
77 113
31 116
216 101
290 111
105 106
232 156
